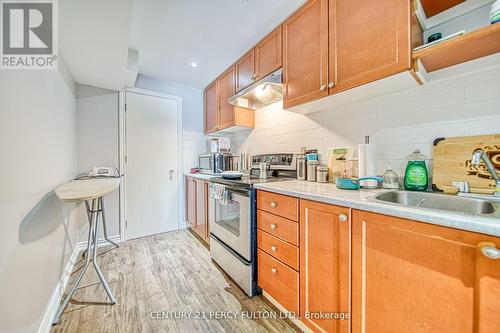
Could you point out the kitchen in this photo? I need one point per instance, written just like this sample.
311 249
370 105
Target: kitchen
334 168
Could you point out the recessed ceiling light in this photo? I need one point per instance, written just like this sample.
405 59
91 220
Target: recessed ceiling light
193 64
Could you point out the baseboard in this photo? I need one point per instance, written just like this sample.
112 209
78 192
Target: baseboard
57 293
280 307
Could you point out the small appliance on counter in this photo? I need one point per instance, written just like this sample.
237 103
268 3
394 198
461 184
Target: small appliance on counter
215 163
232 217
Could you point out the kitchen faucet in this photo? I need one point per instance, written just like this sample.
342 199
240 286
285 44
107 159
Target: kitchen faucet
479 155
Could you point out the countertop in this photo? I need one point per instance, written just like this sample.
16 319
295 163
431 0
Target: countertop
363 200
201 176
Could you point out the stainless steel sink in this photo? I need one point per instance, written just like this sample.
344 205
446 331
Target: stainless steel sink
438 201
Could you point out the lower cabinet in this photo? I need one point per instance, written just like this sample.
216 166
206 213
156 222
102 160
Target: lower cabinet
414 277
375 273
197 206
324 266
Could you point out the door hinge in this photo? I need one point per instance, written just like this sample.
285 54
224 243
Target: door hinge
126 224
126 159
125 107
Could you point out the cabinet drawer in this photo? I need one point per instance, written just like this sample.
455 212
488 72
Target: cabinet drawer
281 250
278 280
279 204
278 226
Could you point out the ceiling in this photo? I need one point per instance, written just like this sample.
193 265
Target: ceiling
169 34
95 36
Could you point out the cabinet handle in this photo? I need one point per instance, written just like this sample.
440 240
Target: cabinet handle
254 76
489 250
274 226
274 204
274 270
331 85
342 217
323 87
273 248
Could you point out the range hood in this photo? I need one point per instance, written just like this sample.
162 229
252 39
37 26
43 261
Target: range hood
264 92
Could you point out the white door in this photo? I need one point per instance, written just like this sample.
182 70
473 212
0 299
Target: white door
152 183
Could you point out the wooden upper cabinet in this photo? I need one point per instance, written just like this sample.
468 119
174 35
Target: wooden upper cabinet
226 89
211 108
369 40
414 277
305 54
268 54
245 70
324 265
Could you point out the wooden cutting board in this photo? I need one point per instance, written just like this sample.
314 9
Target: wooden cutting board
452 162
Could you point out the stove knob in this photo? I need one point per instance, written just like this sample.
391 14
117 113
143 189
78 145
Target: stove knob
283 159
254 160
290 160
258 159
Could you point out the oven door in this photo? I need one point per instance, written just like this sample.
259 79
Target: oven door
231 222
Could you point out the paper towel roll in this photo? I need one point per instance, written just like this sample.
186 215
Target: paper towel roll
367 157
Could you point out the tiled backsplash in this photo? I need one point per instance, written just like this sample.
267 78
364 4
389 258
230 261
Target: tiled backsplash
397 123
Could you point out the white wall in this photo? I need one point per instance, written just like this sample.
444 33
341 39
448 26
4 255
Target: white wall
97 144
38 153
397 122
193 141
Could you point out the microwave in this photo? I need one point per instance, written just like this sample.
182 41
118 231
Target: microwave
215 163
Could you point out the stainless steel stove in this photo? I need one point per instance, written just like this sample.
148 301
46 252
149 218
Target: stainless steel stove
233 222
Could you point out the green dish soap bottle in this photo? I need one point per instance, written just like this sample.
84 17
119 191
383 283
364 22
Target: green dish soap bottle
416 176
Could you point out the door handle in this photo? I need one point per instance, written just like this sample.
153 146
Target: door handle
171 174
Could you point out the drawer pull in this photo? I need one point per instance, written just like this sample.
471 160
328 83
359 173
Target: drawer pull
489 250
342 217
274 270
273 248
274 226
274 204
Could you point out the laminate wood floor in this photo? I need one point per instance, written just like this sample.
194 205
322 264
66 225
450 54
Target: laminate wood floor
171 273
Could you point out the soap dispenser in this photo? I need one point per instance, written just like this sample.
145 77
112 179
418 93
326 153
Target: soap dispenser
416 175
391 179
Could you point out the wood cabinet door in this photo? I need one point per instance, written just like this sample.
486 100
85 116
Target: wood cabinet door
211 108
245 70
191 202
324 265
414 277
226 89
305 54
268 54
201 205
369 40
